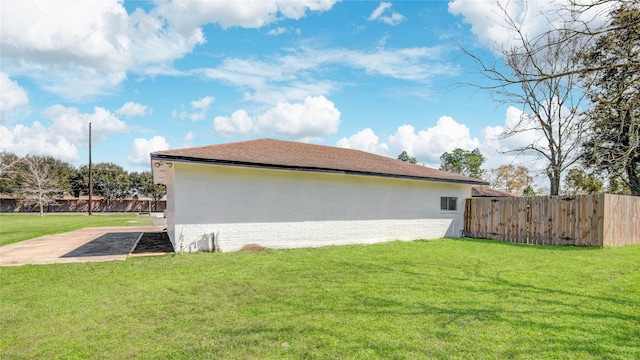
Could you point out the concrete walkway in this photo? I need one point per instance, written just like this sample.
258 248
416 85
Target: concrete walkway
85 245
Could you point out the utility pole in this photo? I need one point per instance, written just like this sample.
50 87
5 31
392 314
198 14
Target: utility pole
90 175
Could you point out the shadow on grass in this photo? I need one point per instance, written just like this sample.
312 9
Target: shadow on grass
560 332
565 320
540 247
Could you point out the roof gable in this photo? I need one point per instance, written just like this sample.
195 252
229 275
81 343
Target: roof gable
307 157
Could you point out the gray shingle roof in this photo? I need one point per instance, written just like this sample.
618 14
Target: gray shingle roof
486 192
291 155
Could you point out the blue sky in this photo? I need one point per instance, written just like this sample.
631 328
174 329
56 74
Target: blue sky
377 76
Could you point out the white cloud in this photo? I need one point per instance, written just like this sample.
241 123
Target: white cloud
154 40
277 31
427 145
88 34
298 9
493 134
189 137
365 140
379 10
304 70
404 139
384 14
200 106
131 108
87 49
68 130
311 120
411 64
315 118
143 147
37 140
78 84
282 30
74 51
497 148
74 126
12 94
239 123
186 15
487 18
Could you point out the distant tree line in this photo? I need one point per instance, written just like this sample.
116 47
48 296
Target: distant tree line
515 179
40 180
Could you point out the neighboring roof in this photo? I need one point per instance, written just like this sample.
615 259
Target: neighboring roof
486 192
290 155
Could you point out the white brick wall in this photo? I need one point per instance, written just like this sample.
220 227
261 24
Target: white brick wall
171 206
287 209
232 237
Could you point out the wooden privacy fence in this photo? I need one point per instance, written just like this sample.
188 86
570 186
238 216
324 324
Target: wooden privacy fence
580 220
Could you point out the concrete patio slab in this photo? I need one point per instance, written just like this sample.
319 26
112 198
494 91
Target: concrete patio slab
85 245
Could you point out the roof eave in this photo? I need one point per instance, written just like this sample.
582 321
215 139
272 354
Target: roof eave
189 159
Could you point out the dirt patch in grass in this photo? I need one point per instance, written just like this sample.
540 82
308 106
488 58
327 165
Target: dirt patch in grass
154 242
250 247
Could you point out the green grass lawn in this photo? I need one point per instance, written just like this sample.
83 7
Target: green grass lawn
14 228
441 299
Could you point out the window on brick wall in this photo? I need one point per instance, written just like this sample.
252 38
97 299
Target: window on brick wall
449 203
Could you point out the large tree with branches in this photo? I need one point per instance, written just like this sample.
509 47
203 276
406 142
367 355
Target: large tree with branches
465 162
111 181
613 145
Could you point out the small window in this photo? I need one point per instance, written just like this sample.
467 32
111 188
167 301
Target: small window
449 203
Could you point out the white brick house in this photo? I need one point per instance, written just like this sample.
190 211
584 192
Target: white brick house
282 194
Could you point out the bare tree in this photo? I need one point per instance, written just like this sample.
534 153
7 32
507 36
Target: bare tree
539 77
39 185
581 22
